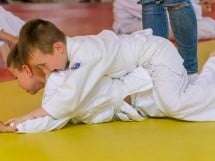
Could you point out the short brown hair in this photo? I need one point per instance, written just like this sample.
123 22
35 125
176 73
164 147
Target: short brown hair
38 34
13 59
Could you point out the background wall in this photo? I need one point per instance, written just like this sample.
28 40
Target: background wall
55 1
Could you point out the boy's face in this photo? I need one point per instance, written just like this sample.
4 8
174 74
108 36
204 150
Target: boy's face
29 79
50 62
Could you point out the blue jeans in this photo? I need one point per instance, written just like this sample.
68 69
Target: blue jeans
183 22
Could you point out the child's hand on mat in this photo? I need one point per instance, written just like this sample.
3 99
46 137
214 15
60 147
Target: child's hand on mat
6 128
17 120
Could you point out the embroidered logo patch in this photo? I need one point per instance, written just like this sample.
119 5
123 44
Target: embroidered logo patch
76 65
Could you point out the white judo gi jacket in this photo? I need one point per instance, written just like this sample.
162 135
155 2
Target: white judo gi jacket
107 54
100 105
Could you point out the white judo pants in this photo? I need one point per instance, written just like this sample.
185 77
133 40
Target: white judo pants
173 94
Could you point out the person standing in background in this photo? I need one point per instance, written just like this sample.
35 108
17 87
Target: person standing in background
128 18
184 25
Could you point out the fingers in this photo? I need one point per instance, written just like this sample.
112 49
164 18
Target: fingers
6 128
14 121
10 121
17 120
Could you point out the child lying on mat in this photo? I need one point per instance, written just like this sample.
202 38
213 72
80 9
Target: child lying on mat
31 79
96 109
128 18
92 57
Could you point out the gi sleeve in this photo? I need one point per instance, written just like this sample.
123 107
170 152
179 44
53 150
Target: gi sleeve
41 124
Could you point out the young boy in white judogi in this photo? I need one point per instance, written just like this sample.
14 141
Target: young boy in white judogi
94 113
99 106
128 19
108 54
30 79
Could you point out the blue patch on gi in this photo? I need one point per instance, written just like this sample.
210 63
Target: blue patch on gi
75 65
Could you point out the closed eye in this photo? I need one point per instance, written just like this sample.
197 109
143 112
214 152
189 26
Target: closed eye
41 65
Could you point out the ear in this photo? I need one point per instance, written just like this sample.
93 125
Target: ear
27 70
58 47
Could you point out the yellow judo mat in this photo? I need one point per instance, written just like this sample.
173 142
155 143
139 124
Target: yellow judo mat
150 140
